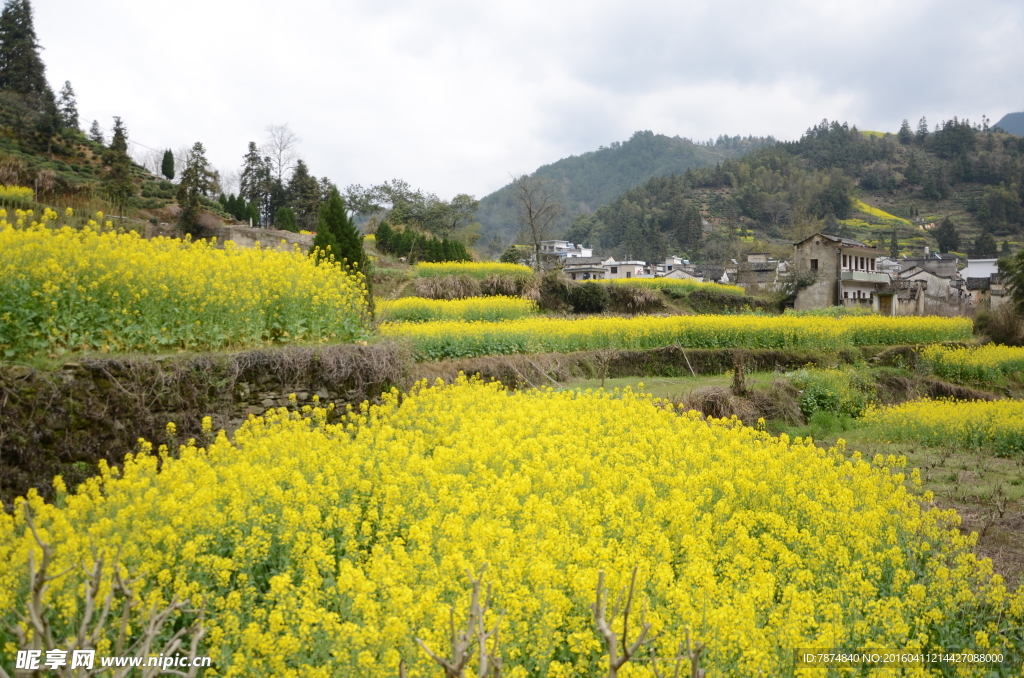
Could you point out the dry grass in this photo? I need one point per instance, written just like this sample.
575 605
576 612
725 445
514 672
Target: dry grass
448 287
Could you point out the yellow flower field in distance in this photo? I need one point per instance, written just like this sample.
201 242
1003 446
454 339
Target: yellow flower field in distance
420 309
474 269
441 340
996 425
66 290
325 550
982 364
675 284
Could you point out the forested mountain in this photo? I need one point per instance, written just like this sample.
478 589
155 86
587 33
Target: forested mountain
1012 123
585 182
836 179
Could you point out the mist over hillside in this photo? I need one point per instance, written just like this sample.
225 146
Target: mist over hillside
587 181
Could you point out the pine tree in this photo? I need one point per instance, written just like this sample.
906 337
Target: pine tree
118 182
894 245
905 135
345 239
196 182
167 165
922 129
21 68
68 106
255 185
96 133
304 196
946 236
284 220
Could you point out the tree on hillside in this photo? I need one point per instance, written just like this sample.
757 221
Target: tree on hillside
304 197
538 210
282 150
196 182
255 182
985 247
894 244
922 130
686 221
68 107
167 165
284 220
1012 269
21 68
905 135
96 133
446 218
947 237
118 180
337 231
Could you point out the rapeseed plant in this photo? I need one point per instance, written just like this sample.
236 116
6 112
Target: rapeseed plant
321 549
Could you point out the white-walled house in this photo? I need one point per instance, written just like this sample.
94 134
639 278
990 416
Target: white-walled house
615 270
564 249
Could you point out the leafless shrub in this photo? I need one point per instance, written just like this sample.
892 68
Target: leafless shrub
462 640
95 617
605 621
779 401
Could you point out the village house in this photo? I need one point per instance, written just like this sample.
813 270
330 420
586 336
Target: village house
841 272
564 249
584 268
614 270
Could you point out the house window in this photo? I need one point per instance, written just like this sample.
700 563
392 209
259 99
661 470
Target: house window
846 261
846 295
814 264
629 274
615 269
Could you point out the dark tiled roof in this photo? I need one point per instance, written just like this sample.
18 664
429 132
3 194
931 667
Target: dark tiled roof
978 283
758 266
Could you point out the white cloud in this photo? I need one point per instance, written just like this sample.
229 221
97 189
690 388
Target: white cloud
455 95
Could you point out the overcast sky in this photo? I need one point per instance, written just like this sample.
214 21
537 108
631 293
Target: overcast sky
454 96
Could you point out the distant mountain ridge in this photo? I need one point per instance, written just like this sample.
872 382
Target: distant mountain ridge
1012 123
588 181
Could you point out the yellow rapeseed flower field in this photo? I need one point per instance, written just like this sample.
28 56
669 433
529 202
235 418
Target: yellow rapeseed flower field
18 194
67 289
985 363
324 550
420 309
675 284
441 339
996 425
474 269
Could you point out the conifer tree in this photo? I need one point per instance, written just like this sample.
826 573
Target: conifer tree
284 220
255 185
905 135
335 228
68 107
167 165
922 129
894 245
946 236
96 133
21 69
196 182
118 182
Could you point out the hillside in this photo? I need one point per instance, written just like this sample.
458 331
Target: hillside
835 179
1012 123
587 181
